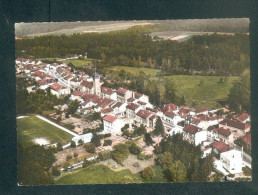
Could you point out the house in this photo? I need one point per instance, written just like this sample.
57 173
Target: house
175 130
169 117
244 117
201 111
152 120
245 142
86 138
112 124
183 112
206 151
219 147
232 161
141 97
131 110
225 135
119 108
108 93
194 134
142 117
75 82
170 107
59 90
77 95
236 126
123 95
87 87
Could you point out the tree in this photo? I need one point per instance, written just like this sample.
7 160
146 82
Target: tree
170 90
68 157
148 140
107 142
86 163
165 160
147 173
75 154
177 171
120 153
159 128
73 144
59 147
134 149
80 142
55 172
89 147
95 140
206 168
140 131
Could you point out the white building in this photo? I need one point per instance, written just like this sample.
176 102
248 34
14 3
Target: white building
86 138
194 134
232 161
112 124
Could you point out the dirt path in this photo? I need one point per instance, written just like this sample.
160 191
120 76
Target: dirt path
135 165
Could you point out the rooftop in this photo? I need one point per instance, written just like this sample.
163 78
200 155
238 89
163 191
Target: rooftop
220 146
235 124
191 129
109 118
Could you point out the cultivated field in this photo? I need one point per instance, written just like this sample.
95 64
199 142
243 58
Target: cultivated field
31 128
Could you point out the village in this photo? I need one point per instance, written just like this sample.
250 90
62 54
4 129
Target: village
120 111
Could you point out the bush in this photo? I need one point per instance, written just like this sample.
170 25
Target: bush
139 131
90 147
143 156
107 135
120 153
73 144
231 175
55 172
59 147
75 154
66 165
127 133
80 142
86 163
87 130
147 173
68 157
125 127
95 140
104 155
107 142
134 149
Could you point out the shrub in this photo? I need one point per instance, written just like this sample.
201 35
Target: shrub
127 133
68 157
104 155
125 127
86 163
73 144
75 154
80 142
107 135
66 165
147 173
87 130
55 172
134 149
120 153
143 156
139 131
107 142
90 147
59 147
95 140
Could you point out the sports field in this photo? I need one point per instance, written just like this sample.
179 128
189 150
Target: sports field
31 128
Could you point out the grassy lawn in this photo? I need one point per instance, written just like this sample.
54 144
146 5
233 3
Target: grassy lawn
205 95
99 174
32 127
135 71
79 63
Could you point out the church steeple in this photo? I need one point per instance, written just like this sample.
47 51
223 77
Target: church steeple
97 86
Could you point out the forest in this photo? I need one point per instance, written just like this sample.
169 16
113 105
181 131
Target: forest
224 54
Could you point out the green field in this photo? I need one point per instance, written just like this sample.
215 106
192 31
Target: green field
32 127
135 71
100 174
79 63
206 95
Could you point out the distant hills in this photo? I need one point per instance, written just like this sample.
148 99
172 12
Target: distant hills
232 25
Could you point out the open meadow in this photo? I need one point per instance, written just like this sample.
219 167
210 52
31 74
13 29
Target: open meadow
31 128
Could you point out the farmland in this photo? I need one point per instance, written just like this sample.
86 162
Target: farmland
30 128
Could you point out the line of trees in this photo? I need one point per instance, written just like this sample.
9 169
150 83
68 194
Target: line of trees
134 47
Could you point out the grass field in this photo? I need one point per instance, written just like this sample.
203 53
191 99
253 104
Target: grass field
79 63
100 174
135 71
206 95
32 127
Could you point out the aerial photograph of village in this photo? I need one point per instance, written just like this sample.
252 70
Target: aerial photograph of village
148 101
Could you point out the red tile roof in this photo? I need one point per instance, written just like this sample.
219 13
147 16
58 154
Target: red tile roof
130 100
106 110
121 91
153 117
144 114
242 117
87 84
132 106
224 132
169 113
247 139
220 146
196 121
183 112
137 95
169 107
56 86
191 129
109 118
118 104
107 90
77 93
105 102
142 103
201 110
235 124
